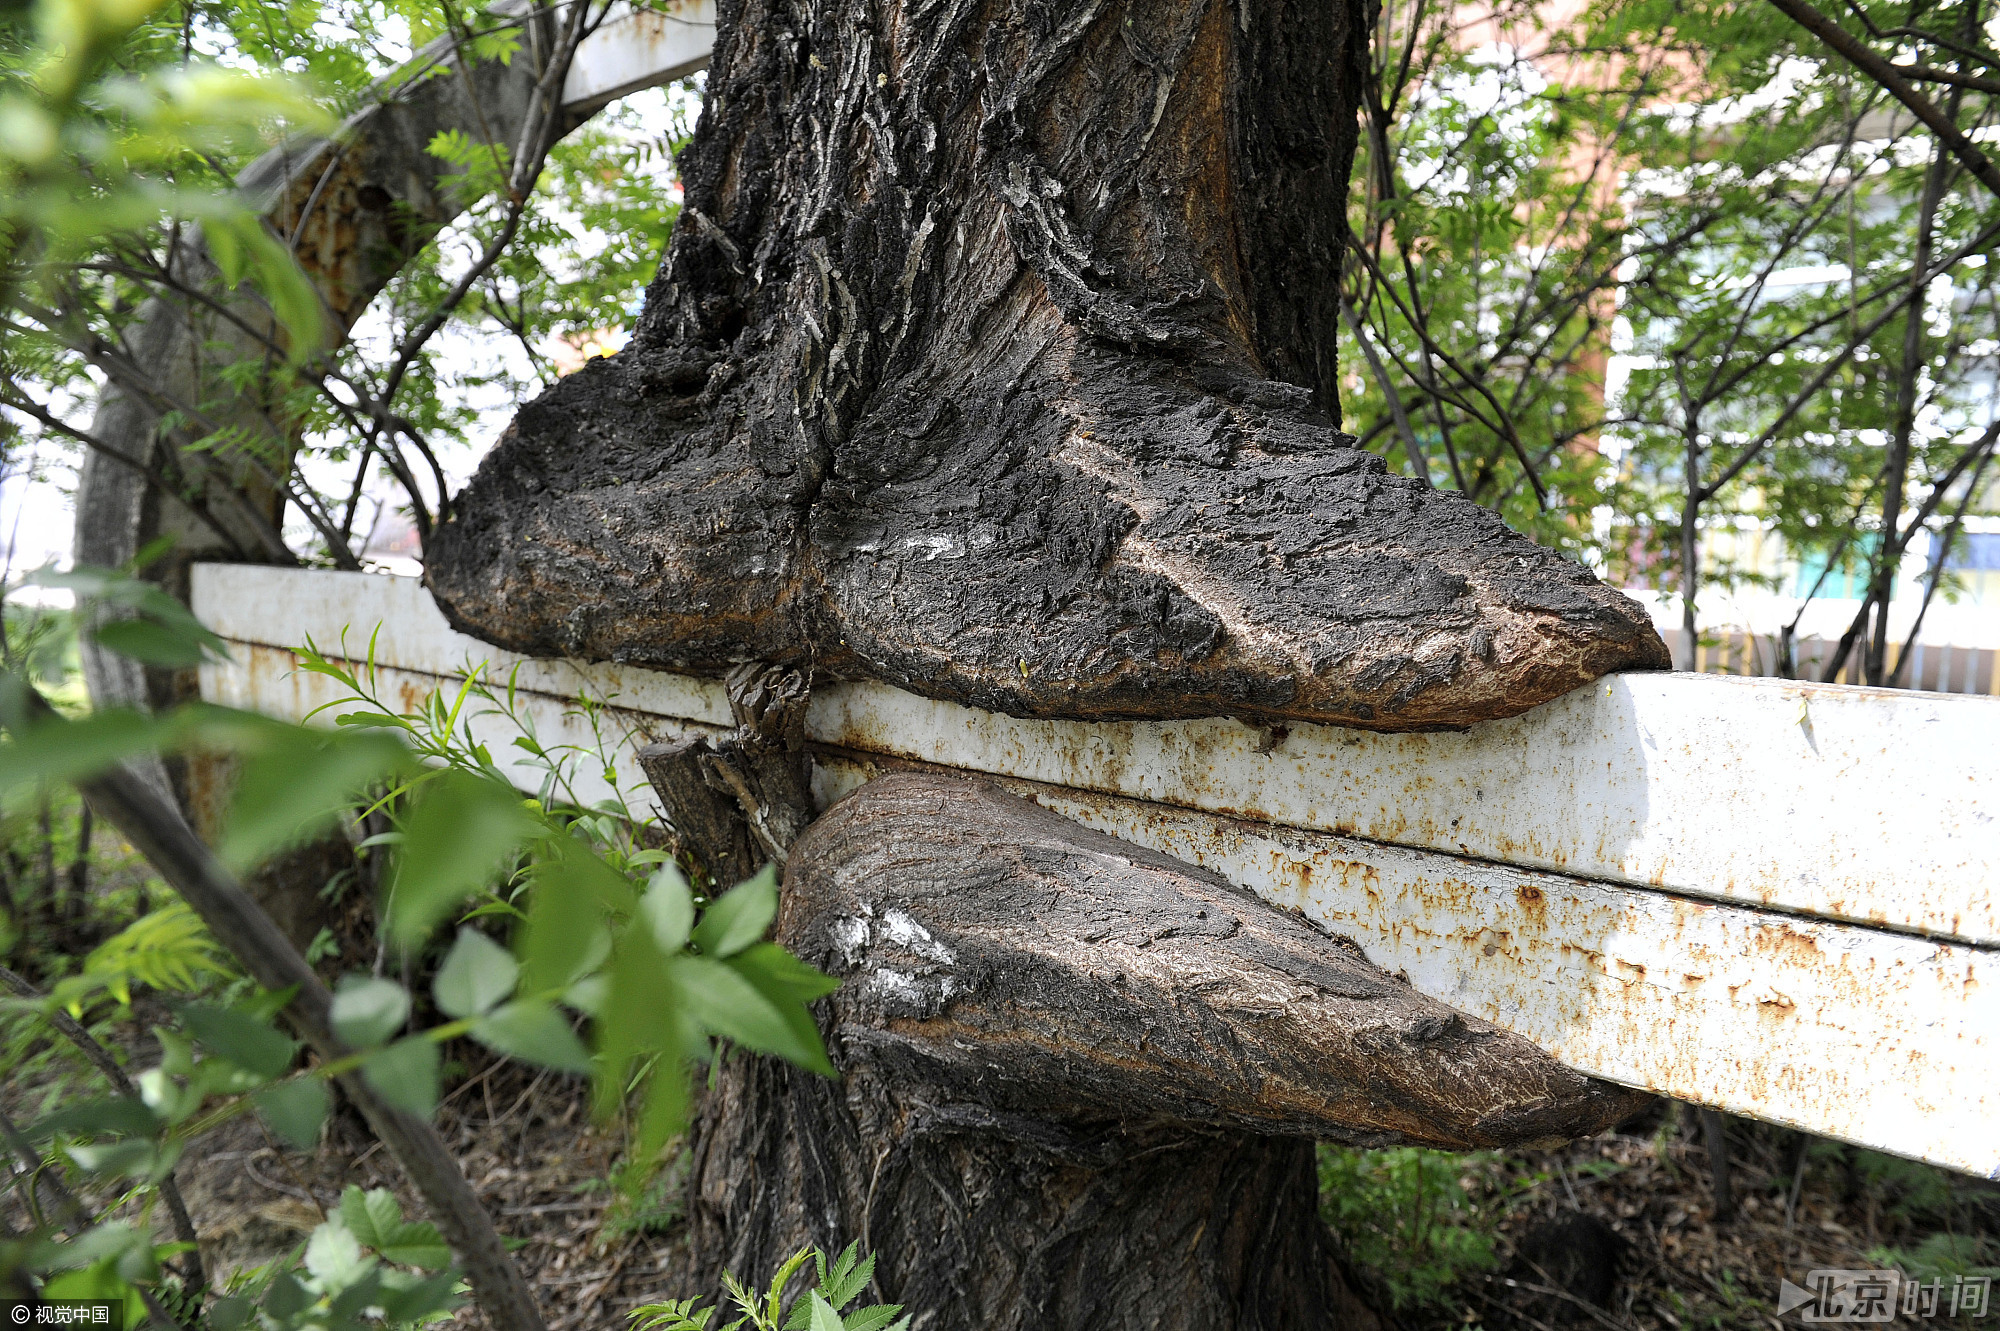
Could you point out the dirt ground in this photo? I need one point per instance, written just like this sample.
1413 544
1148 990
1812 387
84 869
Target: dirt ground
533 1154
1652 1257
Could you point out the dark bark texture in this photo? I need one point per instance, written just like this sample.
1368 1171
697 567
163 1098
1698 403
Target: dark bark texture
993 357
736 802
1080 1080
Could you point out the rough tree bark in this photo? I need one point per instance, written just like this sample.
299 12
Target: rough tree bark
993 357
1080 1081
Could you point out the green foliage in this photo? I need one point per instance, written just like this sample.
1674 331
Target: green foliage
364 1266
1677 265
838 1284
1483 279
169 950
662 974
644 1200
607 934
1407 1219
99 144
123 127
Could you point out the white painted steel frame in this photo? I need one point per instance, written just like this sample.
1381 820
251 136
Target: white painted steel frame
1863 815
634 49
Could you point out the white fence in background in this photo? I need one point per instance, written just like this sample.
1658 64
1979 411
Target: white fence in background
1936 667
1769 897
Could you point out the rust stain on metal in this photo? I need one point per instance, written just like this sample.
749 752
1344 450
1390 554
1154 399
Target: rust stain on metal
1886 1040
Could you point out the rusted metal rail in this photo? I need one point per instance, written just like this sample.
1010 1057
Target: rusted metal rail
1767 897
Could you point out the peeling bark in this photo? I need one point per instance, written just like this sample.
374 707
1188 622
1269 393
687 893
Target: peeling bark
993 357
1080 1080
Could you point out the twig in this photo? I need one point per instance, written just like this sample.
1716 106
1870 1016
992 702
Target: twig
74 1217
1843 43
588 1303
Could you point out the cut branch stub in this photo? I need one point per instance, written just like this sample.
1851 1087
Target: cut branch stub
1000 954
994 357
740 800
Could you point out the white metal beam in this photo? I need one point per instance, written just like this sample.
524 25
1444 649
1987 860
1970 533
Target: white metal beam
1871 805
639 48
1842 806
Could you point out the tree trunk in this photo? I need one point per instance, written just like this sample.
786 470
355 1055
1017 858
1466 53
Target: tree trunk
993 357
1080 1081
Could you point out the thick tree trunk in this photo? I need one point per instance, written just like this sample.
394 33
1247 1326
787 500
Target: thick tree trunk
993 357
1080 1081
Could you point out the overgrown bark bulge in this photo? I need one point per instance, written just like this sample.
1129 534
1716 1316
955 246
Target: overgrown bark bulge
1080 1080
993 356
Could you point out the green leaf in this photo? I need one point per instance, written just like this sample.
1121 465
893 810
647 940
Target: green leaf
730 1005
740 917
60 750
347 1307
775 1295
286 1298
297 783
641 1016
849 1276
664 1116
416 1301
374 720
573 891
101 1280
460 834
127 1158
374 1218
406 1075
231 1312
370 1216
154 643
668 907
777 971
116 587
119 1116
241 1039
476 977
334 1257
874 1317
824 1318
533 1030
789 984
417 1244
295 1109
169 949
368 1011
